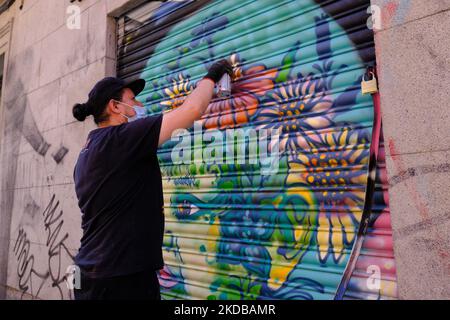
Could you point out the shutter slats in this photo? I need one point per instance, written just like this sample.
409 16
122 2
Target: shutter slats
232 232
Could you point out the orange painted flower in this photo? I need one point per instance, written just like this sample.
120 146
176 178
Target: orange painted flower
249 84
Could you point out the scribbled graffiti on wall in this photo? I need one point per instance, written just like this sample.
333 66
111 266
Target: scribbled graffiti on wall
232 233
33 273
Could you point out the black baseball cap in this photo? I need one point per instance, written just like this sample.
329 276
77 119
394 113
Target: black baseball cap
105 89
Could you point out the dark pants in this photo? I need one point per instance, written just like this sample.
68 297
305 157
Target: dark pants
138 286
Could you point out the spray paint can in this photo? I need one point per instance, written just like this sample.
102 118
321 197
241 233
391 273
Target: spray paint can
224 86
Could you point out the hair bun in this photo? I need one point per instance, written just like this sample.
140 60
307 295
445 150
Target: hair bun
81 110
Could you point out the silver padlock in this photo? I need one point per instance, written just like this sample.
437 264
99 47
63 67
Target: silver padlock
369 86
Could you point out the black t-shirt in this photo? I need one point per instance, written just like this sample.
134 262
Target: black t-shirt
119 189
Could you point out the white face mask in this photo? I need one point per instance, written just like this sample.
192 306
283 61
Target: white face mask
140 112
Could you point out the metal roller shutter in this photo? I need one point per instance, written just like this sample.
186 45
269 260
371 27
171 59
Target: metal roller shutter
233 232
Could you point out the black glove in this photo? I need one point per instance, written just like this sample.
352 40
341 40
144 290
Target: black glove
218 69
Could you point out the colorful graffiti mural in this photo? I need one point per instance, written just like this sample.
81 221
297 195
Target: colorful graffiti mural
231 232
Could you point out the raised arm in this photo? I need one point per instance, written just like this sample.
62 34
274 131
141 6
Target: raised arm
196 102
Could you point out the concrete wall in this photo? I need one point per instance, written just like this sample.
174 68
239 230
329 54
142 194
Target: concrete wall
413 55
50 67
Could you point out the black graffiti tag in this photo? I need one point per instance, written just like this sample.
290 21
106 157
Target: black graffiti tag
56 245
25 265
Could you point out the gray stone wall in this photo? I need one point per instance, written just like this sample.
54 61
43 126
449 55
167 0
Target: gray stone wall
413 56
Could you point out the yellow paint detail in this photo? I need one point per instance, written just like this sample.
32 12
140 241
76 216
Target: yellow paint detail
279 274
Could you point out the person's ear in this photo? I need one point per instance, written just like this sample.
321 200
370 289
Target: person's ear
113 106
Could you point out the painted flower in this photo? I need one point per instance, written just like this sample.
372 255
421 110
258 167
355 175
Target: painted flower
250 83
334 167
298 108
177 92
